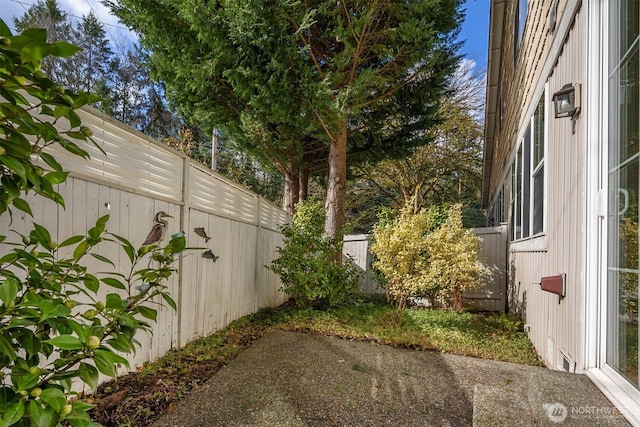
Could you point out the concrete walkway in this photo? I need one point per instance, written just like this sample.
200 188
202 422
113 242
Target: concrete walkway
291 379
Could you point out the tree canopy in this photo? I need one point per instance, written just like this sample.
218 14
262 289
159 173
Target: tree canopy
298 81
445 170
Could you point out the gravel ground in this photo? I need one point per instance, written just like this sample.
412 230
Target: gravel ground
292 379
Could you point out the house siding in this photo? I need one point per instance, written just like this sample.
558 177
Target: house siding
554 325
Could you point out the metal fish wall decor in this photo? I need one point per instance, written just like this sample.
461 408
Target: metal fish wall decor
200 232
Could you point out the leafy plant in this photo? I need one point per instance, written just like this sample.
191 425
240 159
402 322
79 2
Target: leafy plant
401 248
55 330
32 111
454 264
305 263
427 254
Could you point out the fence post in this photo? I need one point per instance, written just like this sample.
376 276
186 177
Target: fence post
184 222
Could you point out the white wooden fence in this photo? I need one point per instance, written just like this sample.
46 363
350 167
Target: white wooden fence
139 177
491 297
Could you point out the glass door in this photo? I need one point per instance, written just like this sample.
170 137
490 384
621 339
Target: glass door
622 334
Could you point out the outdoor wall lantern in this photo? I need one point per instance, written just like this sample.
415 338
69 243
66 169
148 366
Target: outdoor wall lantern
566 101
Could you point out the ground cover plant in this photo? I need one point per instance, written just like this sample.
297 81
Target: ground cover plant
137 399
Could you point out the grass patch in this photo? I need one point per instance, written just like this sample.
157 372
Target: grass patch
138 398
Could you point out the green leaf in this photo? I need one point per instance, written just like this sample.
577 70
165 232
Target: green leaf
81 421
36 34
42 234
89 374
103 259
66 342
114 301
106 361
13 413
80 250
71 241
91 282
126 245
55 178
42 417
53 308
101 223
6 348
147 312
54 397
8 291
13 165
121 343
22 205
169 301
25 381
63 49
114 283
51 161
81 406
35 51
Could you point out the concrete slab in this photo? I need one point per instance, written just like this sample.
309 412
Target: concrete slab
292 379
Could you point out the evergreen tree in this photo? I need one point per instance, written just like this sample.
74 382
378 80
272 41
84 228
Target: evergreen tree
350 75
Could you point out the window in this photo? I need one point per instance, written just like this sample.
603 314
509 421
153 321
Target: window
538 167
527 178
623 268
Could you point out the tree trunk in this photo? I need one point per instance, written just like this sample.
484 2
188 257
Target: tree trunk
304 184
291 192
336 187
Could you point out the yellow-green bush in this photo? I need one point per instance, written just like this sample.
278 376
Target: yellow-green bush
453 263
427 254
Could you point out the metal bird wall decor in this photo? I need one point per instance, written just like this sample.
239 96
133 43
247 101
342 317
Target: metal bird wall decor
210 255
157 231
200 232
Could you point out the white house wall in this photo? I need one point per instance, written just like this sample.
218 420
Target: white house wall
555 325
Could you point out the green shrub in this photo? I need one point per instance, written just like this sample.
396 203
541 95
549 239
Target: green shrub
454 264
401 250
54 329
427 254
305 263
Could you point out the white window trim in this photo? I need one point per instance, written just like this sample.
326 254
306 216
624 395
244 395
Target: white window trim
610 383
538 241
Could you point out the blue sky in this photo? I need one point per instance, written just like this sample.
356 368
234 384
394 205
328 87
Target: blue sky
474 29
475 32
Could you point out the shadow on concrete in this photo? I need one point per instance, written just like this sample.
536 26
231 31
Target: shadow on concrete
293 379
